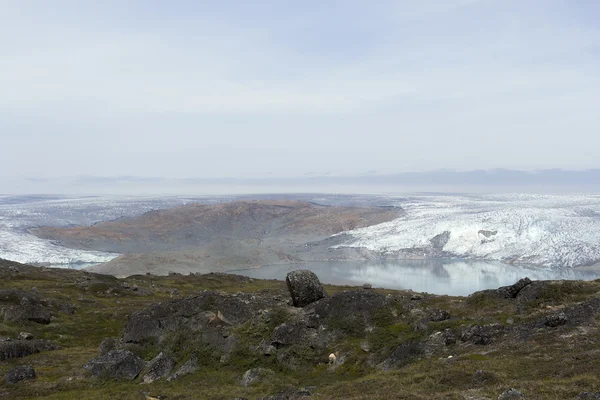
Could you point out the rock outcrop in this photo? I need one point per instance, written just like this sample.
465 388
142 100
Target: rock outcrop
19 374
116 364
160 367
21 348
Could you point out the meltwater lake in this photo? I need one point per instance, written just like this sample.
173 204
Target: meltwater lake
451 277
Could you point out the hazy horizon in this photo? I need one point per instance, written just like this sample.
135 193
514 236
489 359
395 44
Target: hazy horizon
190 89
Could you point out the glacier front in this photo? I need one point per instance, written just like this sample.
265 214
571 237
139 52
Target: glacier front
560 231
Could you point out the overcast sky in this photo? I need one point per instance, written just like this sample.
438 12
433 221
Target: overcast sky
241 88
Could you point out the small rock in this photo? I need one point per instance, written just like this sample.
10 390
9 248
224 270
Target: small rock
439 315
305 287
416 297
511 394
255 375
557 319
588 396
365 346
108 344
367 286
188 367
25 336
18 374
159 367
483 378
67 308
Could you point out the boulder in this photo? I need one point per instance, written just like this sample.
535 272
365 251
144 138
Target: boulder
403 355
255 375
116 364
19 373
27 311
511 394
510 292
158 368
188 367
305 287
439 315
22 348
556 319
482 334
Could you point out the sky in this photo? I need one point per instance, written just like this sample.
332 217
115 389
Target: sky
212 89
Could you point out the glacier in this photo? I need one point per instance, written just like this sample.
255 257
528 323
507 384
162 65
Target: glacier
561 231
18 214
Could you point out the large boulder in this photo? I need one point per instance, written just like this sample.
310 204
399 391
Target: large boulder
116 364
19 373
159 367
21 348
27 310
305 287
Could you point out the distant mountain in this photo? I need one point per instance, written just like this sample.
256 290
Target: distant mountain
491 180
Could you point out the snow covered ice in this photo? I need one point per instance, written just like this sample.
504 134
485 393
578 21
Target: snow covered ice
549 230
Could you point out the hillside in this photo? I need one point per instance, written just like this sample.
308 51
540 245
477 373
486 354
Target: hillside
220 336
206 238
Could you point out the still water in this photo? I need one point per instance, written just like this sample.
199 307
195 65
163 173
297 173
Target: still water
452 277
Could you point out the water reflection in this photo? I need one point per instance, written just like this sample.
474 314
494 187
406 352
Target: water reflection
434 276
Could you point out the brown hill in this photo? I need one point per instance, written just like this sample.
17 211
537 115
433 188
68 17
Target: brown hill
202 238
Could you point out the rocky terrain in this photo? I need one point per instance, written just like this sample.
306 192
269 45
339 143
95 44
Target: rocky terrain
74 334
208 238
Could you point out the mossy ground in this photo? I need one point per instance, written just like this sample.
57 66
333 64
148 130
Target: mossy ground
545 367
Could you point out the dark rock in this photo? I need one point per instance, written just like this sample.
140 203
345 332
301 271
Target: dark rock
439 241
511 394
351 311
305 287
116 364
439 315
588 396
449 337
67 308
483 378
108 345
21 348
367 286
403 355
537 292
556 319
513 290
27 311
188 367
288 334
19 373
198 313
421 325
482 334
256 375
159 367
